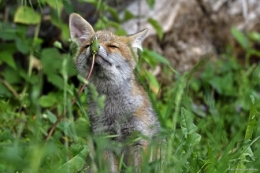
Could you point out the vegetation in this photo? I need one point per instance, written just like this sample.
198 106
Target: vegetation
209 115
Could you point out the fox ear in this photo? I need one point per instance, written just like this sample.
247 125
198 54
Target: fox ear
137 38
80 29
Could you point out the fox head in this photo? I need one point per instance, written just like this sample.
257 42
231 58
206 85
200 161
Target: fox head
115 59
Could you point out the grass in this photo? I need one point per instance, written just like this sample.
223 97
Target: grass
206 128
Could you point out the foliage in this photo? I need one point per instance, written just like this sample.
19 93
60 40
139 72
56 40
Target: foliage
209 115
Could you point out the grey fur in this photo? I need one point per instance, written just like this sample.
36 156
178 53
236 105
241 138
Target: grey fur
114 79
113 76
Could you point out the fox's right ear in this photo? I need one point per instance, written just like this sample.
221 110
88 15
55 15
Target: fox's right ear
137 38
80 29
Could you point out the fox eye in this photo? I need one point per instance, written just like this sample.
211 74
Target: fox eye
86 46
113 46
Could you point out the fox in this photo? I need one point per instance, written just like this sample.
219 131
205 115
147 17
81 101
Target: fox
127 109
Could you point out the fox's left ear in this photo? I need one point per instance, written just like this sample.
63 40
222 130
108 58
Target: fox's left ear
80 29
137 38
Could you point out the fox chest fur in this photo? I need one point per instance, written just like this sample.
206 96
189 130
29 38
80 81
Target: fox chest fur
127 108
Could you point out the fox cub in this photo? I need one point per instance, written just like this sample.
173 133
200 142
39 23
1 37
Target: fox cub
127 109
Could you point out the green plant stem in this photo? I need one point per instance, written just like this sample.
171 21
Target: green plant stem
36 34
180 92
73 101
10 88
